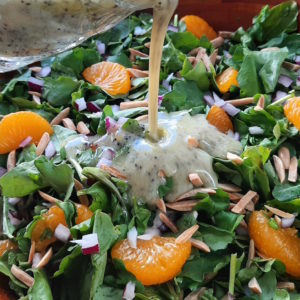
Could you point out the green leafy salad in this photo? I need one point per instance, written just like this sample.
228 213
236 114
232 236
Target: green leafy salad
72 227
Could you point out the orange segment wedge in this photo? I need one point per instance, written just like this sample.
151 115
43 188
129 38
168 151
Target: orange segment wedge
111 77
154 261
282 244
6 245
226 79
220 119
198 27
16 127
292 111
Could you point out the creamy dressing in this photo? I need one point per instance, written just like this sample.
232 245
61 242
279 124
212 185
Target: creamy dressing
173 155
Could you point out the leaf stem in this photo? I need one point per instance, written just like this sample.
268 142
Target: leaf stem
281 100
233 260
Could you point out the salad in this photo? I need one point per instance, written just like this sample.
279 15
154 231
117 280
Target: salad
78 221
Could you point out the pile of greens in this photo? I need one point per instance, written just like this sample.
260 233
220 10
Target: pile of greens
70 274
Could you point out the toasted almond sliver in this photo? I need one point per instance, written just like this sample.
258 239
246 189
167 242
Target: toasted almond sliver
36 99
186 235
62 115
230 188
260 103
201 55
168 222
82 128
217 42
194 192
142 118
235 158
133 104
241 102
195 180
200 245
191 59
235 197
277 220
241 205
35 69
114 172
46 258
183 205
48 197
251 253
147 45
160 203
279 168
192 142
290 286
138 73
226 34
68 123
291 67
194 51
293 170
263 256
31 252
82 198
11 160
162 174
35 94
134 53
213 57
22 276
279 212
270 49
250 206
254 286
43 143
284 155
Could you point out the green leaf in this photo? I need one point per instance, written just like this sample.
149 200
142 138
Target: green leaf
163 190
282 295
69 211
107 293
286 191
8 228
11 85
121 59
184 41
133 126
227 220
268 284
172 58
41 289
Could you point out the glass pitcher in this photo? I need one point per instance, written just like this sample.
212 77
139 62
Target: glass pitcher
31 30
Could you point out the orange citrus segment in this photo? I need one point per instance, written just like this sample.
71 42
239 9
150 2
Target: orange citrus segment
282 244
16 127
154 261
83 213
292 111
6 245
199 27
113 78
226 79
220 119
4 295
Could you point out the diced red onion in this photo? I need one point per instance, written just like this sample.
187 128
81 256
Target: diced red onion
216 97
26 142
122 121
14 201
80 104
13 220
2 171
35 84
62 233
160 100
298 82
37 257
93 107
227 54
231 110
115 108
50 150
138 30
209 99
104 162
173 28
89 244
279 95
44 72
108 153
91 250
297 60
101 47
220 103
287 222
129 291
132 237
256 130
166 82
286 81
110 125
149 234
237 136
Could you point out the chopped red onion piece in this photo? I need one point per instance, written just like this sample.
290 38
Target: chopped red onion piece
110 125
160 100
108 153
216 97
256 130
13 220
138 30
237 136
173 28
80 104
91 250
209 99
14 201
115 108
37 257
231 110
26 142
285 80
287 222
50 150
93 107
44 72
129 291
35 84
132 237
89 244
167 85
298 82
62 233
101 47
297 59
279 95
227 54
220 103
2 171
104 162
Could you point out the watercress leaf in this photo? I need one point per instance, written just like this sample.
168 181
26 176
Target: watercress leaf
281 295
41 289
227 220
107 293
184 41
133 126
23 78
60 136
268 283
164 189
172 58
121 59
8 228
286 191
69 211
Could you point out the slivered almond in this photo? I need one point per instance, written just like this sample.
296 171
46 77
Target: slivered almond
235 158
35 69
35 94
293 170
260 103
114 172
277 220
48 197
192 142
270 49
46 258
22 276
250 206
196 294
138 73
160 203
133 104
191 59
43 143
201 55
254 286
147 45
134 53
230 188
194 192
226 34
62 115
217 42
183 205
213 57
195 179
186 235
291 67
162 174
31 252
279 212
263 256
82 198
11 160
36 99
279 168
251 253
194 51
284 155
164 218
82 128
241 102
238 208
243 224
235 197
290 286
200 245
142 118
68 123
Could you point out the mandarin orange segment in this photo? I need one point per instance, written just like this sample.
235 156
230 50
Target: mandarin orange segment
220 119
6 245
4 295
83 213
199 27
16 127
292 111
154 261
227 79
111 77
282 244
